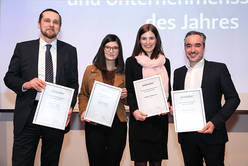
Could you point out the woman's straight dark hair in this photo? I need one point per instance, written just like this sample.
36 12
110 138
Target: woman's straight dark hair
100 61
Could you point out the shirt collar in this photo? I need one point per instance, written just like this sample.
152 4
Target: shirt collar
43 43
198 65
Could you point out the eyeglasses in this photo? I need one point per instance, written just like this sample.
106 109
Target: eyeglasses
108 48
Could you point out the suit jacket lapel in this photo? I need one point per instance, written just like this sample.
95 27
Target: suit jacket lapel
118 80
182 82
59 61
205 75
34 52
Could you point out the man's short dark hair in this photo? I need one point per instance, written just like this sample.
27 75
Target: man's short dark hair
203 36
51 10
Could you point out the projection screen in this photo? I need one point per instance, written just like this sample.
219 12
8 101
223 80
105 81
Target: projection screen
86 22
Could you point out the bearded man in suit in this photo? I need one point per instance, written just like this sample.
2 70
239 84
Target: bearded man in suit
214 79
26 76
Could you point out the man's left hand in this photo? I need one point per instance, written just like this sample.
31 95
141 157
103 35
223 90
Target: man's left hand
69 117
208 129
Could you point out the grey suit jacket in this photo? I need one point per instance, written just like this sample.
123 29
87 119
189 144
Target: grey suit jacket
23 67
216 82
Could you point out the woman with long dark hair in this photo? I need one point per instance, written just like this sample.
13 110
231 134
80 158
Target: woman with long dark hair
105 145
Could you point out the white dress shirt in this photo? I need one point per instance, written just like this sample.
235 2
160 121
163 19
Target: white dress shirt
42 61
193 77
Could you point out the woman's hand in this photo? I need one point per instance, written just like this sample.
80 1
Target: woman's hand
170 108
138 115
123 93
82 118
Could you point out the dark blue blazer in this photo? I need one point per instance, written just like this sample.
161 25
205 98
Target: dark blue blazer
216 81
23 67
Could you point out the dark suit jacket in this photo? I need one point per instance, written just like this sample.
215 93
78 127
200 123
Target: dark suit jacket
216 81
23 67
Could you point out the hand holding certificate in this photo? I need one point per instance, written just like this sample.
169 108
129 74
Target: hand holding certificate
102 103
53 106
188 113
151 96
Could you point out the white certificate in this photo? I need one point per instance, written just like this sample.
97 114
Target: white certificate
102 104
53 106
151 96
188 110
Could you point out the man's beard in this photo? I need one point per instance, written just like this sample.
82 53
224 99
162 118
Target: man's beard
49 35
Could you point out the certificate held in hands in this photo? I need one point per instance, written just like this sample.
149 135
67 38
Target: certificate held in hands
188 110
102 104
53 106
151 96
